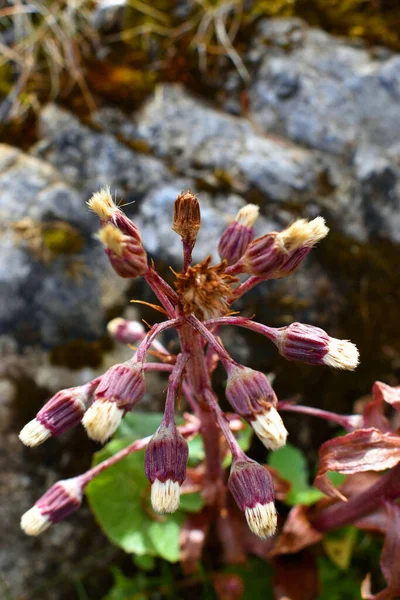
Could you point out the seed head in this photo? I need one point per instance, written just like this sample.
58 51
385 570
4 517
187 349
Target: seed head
205 290
276 255
252 488
125 252
269 428
103 205
165 467
313 346
62 499
120 388
249 392
187 217
62 412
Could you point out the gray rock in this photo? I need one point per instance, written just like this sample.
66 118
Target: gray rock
47 299
322 91
195 138
91 160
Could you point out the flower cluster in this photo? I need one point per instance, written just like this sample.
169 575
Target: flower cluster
197 308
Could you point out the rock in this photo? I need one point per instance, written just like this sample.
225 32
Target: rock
91 160
196 138
321 91
53 274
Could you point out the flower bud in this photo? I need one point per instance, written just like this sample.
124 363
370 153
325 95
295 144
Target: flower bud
61 412
238 235
314 346
252 488
62 499
104 206
120 388
187 217
276 255
125 252
165 467
126 332
251 395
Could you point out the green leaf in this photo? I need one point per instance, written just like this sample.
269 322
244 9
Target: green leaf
196 451
191 502
145 562
136 425
291 464
120 497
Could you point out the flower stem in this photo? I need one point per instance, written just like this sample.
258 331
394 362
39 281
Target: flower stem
342 513
349 422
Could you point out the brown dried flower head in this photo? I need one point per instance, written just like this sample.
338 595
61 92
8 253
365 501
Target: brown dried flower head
205 290
187 217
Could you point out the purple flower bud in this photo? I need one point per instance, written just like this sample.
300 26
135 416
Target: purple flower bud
126 332
276 255
238 235
61 412
62 499
120 388
165 467
252 488
251 395
125 252
249 392
314 346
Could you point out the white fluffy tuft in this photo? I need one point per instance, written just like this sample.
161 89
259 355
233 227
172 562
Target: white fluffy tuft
102 419
270 429
303 233
34 433
247 215
33 522
102 204
341 354
262 519
165 497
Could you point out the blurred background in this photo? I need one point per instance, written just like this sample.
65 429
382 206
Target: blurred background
289 104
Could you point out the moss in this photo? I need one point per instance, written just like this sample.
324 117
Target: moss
80 353
48 240
62 238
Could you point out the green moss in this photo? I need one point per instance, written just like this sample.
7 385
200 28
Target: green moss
61 238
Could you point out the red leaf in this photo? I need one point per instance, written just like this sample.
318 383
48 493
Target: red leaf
297 533
361 450
387 393
390 559
290 570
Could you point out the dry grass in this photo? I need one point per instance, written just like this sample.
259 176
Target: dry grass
44 42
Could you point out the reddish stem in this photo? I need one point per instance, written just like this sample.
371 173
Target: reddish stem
343 513
349 422
162 290
212 340
151 335
173 385
269 332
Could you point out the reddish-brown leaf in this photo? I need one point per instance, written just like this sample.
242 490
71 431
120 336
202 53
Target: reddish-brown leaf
281 486
387 393
297 533
292 570
192 539
390 559
361 450
228 586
